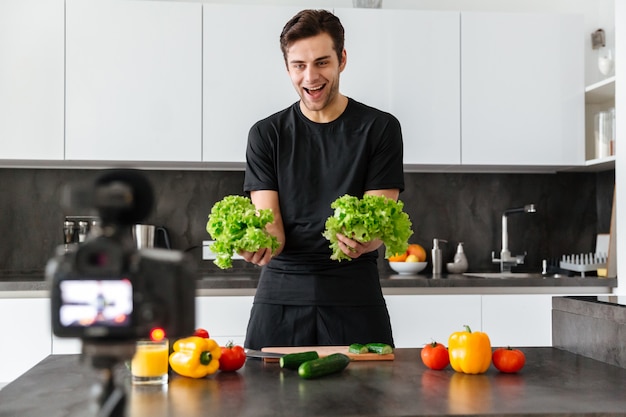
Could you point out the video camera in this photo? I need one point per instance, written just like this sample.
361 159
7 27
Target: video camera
105 289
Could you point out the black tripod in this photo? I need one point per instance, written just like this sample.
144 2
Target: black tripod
109 358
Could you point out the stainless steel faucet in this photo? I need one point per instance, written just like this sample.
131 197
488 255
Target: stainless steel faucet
506 260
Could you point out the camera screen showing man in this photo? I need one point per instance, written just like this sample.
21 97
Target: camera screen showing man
96 303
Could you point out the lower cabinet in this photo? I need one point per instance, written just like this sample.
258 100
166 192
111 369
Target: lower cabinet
26 335
518 319
224 317
66 346
419 319
514 320
509 319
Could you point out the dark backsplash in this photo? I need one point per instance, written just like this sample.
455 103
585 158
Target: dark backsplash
571 209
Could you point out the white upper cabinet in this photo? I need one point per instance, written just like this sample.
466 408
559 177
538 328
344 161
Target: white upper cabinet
366 75
406 62
31 79
177 82
245 77
134 80
522 89
403 62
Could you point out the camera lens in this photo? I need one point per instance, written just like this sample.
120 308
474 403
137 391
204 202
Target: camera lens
100 259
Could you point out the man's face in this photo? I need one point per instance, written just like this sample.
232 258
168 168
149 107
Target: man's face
314 69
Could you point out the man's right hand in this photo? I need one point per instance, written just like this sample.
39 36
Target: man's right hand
266 199
260 257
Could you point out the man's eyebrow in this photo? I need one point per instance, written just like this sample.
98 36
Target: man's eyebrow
298 61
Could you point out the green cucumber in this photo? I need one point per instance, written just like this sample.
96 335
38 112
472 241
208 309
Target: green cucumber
323 366
358 348
380 348
294 360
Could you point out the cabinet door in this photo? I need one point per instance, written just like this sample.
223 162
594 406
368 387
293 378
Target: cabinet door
225 318
522 89
518 320
406 62
26 335
133 80
245 78
62 345
419 319
31 79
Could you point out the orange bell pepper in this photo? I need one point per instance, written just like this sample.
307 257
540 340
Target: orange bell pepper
470 353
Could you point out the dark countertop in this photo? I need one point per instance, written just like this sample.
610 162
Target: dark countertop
218 280
553 383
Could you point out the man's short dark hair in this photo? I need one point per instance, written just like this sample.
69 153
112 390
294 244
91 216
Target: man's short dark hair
308 23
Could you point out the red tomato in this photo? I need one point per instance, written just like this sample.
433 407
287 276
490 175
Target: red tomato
233 357
435 356
200 332
508 360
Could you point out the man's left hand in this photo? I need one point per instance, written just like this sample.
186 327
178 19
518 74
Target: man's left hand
354 248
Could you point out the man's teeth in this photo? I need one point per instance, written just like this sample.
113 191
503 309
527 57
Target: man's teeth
315 88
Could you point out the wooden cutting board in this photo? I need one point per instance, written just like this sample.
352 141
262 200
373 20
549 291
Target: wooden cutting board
323 351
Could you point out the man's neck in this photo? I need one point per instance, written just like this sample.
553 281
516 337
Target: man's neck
328 113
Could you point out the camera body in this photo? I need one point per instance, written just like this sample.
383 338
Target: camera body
107 290
101 291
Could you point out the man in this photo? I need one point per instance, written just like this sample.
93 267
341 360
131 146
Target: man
299 161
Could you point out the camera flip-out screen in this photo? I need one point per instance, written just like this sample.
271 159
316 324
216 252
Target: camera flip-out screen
86 303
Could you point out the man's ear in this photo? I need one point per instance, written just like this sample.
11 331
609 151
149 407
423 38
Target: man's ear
344 60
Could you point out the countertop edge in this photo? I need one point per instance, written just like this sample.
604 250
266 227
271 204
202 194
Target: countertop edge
250 292
245 285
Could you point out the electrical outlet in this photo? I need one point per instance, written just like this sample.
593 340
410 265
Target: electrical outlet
208 255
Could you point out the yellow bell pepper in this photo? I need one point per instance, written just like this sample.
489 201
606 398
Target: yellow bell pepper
470 353
195 357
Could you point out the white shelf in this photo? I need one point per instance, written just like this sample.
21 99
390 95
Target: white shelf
601 91
602 163
599 96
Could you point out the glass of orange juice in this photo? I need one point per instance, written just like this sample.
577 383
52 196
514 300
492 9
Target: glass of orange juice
150 362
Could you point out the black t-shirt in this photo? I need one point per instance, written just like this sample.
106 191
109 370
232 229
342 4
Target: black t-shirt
310 165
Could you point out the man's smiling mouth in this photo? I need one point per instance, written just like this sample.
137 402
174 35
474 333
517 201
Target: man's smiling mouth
314 90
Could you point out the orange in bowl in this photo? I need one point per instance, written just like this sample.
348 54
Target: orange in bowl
417 250
398 257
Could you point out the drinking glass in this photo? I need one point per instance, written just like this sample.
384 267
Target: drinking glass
150 362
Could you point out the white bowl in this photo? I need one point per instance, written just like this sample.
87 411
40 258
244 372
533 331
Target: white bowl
408 268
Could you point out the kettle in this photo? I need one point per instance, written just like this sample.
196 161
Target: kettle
151 236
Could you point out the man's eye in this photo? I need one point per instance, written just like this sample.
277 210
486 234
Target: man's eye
322 63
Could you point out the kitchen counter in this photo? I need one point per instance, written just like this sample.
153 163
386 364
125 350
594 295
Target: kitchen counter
553 383
220 283
33 284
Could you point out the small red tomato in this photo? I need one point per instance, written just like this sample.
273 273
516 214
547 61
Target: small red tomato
200 332
435 356
233 357
508 360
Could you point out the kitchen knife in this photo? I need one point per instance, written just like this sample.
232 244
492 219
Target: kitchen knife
251 353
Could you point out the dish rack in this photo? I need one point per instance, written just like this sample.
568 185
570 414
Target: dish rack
584 262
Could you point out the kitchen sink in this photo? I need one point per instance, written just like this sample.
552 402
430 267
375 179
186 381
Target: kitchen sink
505 275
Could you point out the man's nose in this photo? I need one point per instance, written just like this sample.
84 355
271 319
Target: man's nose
311 73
